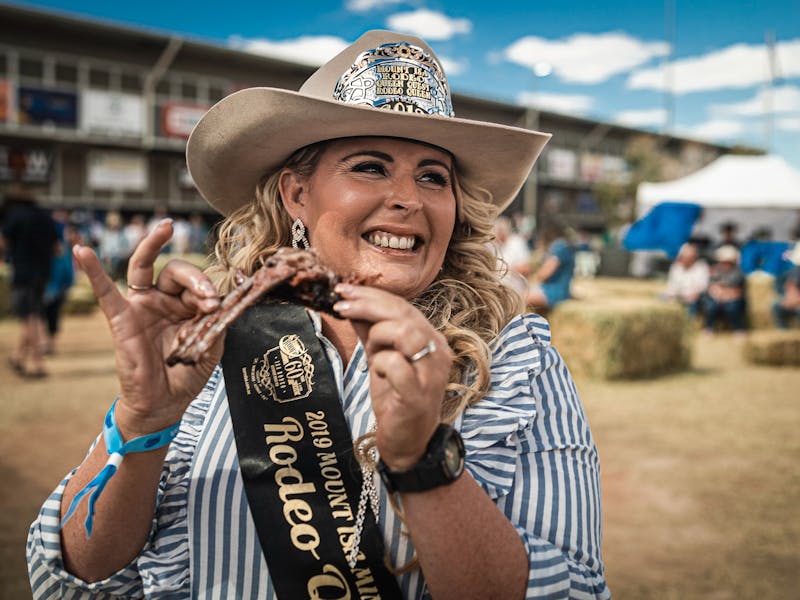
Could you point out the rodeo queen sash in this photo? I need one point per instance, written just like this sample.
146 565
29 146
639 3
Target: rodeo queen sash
301 476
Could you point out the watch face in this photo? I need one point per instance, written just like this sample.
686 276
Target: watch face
453 456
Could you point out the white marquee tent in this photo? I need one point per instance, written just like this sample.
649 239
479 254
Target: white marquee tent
755 192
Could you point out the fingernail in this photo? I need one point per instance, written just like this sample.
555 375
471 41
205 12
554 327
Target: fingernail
341 307
343 288
167 220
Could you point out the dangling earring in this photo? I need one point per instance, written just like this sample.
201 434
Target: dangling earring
299 235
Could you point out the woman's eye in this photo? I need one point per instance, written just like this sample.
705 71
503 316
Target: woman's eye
370 167
435 178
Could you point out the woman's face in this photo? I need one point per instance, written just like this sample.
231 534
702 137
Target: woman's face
377 206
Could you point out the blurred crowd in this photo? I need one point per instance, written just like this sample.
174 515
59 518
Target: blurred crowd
708 278
36 244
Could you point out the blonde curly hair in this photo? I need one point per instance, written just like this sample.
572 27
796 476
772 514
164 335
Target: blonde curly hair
467 302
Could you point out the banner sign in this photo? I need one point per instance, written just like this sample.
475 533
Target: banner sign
117 171
561 163
178 120
112 112
47 107
25 165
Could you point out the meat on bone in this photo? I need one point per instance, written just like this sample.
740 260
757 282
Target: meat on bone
289 274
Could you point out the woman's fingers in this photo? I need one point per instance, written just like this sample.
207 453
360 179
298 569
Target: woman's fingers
184 280
140 265
111 301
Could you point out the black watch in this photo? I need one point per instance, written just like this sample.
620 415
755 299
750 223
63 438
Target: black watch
442 464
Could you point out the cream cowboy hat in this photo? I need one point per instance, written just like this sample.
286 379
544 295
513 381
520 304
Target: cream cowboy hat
384 84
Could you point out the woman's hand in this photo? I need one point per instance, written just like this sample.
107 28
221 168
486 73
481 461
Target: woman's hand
406 394
144 324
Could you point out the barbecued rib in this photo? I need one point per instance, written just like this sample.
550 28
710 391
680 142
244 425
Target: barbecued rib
289 274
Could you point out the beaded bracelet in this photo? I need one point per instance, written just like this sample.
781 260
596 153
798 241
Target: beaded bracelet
117 450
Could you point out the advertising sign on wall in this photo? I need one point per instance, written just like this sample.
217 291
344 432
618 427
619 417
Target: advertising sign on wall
178 120
116 171
26 165
47 107
112 113
561 163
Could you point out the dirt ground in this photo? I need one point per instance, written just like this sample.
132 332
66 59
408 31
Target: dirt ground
701 484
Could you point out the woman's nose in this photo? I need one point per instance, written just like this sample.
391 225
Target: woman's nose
404 195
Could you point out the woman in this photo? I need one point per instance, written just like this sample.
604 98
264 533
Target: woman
404 198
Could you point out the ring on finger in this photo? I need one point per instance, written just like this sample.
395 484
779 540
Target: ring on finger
426 349
140 288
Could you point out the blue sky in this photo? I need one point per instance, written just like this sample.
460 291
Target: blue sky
603 60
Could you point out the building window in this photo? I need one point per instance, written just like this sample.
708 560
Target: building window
130 82
99 79
66 73
31 68
215 93
188 91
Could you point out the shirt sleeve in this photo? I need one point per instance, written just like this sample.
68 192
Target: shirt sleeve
162 567
529 446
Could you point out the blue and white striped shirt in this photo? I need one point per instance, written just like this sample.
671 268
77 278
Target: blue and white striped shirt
528 445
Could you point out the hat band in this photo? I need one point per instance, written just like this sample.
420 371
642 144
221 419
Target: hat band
399 77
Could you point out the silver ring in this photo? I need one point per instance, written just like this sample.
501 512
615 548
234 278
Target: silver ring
427 349
140 288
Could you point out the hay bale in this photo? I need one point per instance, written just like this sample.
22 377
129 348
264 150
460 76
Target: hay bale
760 292
777 347
622 339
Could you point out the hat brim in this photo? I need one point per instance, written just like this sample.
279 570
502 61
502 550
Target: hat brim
252 132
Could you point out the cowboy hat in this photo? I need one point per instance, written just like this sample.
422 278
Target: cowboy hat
384 84
727 253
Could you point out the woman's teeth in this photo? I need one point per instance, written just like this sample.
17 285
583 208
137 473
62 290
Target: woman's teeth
392 241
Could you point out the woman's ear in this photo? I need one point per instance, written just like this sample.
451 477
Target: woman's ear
292 187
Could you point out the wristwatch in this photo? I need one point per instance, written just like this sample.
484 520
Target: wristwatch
442 464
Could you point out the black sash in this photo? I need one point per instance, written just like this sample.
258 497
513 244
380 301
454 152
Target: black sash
301 477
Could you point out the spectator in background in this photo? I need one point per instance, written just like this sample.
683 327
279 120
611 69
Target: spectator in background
62 276
29 235
554 277
198 234
688 279
180 235
787 305
728 236
114 250
135 230
726 293
513 250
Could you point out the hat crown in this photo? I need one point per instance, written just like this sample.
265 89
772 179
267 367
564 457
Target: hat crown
388 71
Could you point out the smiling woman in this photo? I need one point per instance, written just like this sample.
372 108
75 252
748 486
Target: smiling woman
429 442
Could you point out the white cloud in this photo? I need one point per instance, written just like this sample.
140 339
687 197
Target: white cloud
642 118
714 130
788 124
428 24
585 58
308 50
574 104
360 6
782 99
453 67
737 66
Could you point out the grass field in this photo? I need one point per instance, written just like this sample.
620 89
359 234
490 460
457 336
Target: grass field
701 481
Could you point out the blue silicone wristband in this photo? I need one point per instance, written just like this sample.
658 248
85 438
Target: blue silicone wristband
117 449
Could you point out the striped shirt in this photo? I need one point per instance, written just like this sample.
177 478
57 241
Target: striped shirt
528 445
